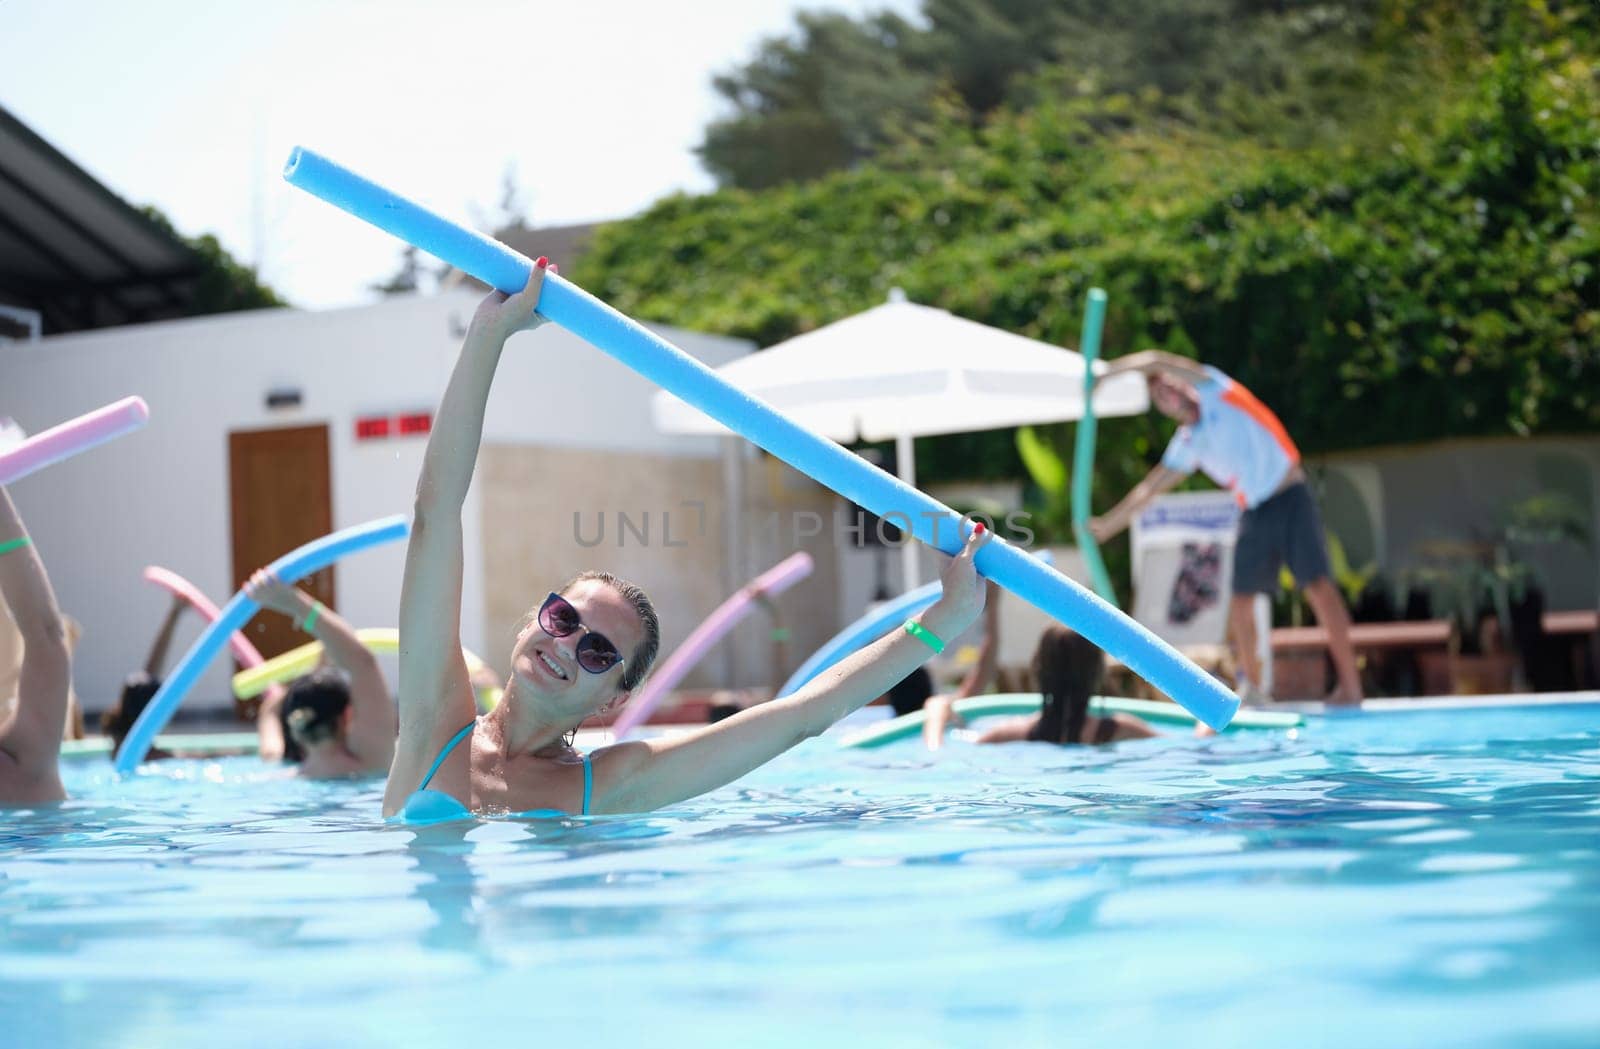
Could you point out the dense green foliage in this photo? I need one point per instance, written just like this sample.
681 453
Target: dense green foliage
1398 241
840 91
225 284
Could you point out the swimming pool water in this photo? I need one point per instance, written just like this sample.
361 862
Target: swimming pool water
1392 879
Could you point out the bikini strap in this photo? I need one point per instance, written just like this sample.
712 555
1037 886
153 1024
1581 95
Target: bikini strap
588 783
445 753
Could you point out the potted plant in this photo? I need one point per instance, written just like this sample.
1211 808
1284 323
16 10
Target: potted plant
1472 584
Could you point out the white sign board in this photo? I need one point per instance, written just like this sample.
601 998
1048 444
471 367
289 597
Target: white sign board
1183 566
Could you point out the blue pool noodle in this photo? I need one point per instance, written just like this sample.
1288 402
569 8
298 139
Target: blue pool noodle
1083 451
817 457
868 629
291 568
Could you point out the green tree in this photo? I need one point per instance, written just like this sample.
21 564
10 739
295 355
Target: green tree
824 100
1426 265
840 91
224 284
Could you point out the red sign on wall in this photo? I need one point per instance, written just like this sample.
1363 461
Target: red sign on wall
415 424
406 424
372 427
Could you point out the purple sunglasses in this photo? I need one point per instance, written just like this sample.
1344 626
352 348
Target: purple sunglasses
595 652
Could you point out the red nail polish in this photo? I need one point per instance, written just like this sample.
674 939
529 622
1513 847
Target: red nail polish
978 527
542 262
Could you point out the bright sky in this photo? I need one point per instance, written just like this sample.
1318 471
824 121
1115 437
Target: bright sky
193 107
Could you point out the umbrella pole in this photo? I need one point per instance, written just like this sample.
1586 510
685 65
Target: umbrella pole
733 564
905 461
1083 450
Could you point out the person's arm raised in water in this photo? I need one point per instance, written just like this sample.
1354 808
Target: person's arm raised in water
435 690
372 723
30 742
939 713
647 774
982 674
157 659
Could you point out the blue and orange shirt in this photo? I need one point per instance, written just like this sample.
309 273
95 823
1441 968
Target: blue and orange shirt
1238 442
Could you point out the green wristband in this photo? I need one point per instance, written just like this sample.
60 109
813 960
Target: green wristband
15 544
311 617
926 636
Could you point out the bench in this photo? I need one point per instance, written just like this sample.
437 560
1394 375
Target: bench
1425 633
1299 654
1583 621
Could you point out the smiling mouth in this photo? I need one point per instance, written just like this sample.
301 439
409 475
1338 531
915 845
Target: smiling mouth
550 665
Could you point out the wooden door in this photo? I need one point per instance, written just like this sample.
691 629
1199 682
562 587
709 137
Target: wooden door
281 497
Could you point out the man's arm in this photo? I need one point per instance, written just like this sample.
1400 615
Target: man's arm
1158 362
1156 482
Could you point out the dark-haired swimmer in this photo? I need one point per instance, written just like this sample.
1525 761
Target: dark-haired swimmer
586 647
1068 669
30 737
331 724
140 687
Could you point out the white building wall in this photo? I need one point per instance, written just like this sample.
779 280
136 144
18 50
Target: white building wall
161 496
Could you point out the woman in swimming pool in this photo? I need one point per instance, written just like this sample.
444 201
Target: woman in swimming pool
332 723
30 738
141 686
584 649
1068 669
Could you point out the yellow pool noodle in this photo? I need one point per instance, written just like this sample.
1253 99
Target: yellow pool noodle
300 661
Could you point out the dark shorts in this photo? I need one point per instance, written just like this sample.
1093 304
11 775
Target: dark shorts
1285 529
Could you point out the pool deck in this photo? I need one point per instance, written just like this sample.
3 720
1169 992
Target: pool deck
1510 699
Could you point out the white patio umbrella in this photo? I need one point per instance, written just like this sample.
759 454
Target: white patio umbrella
901 371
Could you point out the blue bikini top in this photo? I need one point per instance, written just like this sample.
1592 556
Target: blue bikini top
435 806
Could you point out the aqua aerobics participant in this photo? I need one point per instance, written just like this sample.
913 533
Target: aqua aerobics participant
30 739
588 645
1068 669
330 723
1241 445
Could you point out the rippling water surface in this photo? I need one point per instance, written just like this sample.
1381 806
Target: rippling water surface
1374 879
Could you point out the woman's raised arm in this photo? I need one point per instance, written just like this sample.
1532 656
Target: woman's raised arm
435 692
32 738
372 725
647 774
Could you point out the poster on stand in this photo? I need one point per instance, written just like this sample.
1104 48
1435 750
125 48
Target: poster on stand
1183 566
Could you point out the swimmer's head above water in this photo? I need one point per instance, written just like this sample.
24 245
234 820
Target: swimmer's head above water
138 689
585 648
316 712
1068 668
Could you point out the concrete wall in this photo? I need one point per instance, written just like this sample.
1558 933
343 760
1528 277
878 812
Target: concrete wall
161 496
1401 507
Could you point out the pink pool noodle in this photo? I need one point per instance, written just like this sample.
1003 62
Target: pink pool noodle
73 436
170 580
774 580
